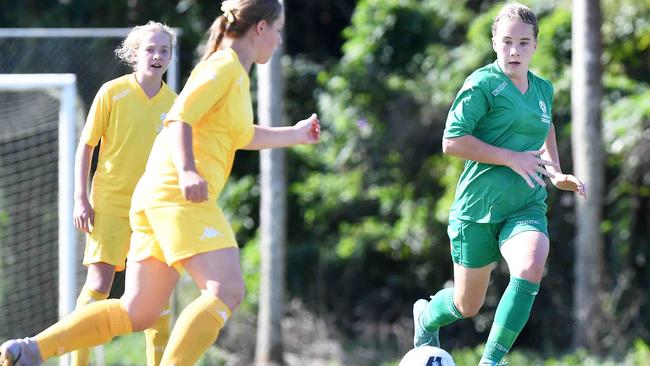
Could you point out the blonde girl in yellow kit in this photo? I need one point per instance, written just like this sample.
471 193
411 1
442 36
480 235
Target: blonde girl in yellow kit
175 220
126 115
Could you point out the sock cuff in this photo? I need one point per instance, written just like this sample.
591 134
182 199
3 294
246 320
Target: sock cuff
451 305
118 318
214 306
524 286
88 295
167 311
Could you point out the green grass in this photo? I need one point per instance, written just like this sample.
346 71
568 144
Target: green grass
122 351
130 351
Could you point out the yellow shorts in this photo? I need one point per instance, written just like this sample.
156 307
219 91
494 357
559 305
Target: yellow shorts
108 242
173 233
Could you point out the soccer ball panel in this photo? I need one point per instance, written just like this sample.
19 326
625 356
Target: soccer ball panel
427 356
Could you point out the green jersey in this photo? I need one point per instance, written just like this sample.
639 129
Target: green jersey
491 108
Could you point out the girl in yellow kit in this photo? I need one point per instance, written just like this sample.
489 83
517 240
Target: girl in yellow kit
126 115
176 223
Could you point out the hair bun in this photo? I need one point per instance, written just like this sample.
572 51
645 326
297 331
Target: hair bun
227 8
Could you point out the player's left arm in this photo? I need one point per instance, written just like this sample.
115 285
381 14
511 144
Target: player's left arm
306 131
566 182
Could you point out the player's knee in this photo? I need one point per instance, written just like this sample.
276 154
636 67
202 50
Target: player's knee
100 277
141 317
238 297
96 287
234 293
142 320
469 308
532 272
231 292
99 284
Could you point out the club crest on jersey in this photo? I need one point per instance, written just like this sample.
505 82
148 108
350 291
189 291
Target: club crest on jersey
545 116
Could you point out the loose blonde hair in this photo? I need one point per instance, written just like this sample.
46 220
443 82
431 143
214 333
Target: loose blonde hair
126 50
516 12
237 18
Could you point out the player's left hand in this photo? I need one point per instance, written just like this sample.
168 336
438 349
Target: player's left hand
568 182
308 130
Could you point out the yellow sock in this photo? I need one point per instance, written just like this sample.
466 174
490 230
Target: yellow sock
157 337
81 357
196 329
90 325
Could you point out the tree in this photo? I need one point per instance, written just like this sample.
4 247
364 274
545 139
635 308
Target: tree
273 213
588 160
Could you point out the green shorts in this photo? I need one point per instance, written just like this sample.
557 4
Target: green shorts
475 245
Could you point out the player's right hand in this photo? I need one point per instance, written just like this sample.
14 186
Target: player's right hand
529 166
193 186
83 215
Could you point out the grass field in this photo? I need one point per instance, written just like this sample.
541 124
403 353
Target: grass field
129 351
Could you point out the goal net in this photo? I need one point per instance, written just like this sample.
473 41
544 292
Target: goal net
38 124
85 52
38 282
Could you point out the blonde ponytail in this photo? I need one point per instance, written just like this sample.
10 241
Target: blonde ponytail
217 32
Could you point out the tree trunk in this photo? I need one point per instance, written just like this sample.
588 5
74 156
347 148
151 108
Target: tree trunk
588 160
273 213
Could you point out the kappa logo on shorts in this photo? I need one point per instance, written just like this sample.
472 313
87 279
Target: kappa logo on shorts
210 232
223 315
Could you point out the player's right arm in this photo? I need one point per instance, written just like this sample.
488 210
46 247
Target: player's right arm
525 163
207 85
193 186
469 107
83 215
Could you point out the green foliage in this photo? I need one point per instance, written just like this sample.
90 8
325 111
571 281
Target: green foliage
637 356
239 200
370 213
380 193
369 205
626 31
626 118
250 265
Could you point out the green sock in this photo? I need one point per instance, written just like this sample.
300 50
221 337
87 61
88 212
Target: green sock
511 316
440 311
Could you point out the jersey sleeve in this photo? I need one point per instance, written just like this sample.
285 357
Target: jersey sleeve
245 137
98 118
207 86
470 105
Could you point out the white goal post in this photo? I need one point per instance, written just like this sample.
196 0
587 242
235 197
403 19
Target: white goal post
65 84
29 130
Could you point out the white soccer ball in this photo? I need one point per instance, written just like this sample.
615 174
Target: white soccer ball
427 356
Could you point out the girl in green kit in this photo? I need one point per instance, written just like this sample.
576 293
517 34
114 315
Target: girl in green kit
501 124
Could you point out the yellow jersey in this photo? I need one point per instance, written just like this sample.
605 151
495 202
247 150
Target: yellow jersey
127 122
216 102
